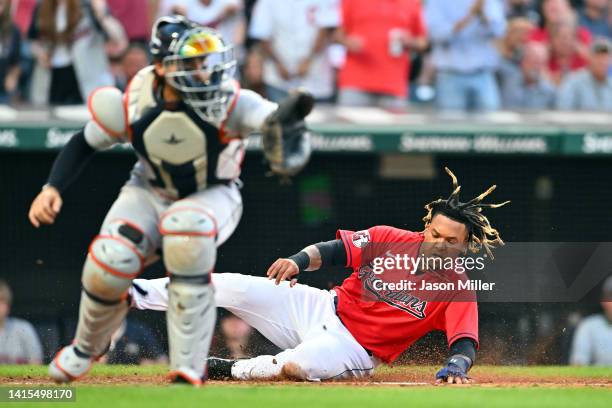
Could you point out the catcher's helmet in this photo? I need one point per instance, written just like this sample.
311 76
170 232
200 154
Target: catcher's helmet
165 30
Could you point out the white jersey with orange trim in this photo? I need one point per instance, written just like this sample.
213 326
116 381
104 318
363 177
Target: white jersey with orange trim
179 153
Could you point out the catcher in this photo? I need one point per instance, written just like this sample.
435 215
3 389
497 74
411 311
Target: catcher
348 331
186 118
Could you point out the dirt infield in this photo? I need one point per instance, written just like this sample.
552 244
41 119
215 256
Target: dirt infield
502 376
400 376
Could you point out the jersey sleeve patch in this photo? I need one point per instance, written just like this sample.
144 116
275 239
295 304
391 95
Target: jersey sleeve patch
354 244
361 238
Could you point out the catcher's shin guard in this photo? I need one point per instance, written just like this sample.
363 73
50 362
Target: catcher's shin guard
191 320
97 323
113 261
69 364
189 255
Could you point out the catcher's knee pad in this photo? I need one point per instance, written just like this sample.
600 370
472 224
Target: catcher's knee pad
116 256
189 246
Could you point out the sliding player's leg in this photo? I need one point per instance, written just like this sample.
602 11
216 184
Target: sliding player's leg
328 353
301 320
284 315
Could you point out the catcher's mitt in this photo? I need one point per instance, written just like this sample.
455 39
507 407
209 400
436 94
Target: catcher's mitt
285 137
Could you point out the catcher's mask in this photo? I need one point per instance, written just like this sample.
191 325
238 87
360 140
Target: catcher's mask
201 67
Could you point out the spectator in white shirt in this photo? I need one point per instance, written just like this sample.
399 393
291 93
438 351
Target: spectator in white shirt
592 344
19 343
294 35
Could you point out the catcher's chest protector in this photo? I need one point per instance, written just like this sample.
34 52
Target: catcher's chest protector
181 152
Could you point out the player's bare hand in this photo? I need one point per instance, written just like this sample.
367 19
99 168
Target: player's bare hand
283 269
45 207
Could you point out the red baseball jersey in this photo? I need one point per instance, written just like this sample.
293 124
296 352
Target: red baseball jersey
387 321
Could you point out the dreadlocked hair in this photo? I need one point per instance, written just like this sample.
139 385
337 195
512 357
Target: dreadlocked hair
480 232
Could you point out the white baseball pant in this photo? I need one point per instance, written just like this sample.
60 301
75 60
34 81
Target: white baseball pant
301 320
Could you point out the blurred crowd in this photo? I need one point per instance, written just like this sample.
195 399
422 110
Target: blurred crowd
461 55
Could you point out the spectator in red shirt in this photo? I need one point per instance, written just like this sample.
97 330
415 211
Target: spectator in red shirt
135 17
23 10
567 51
567 42
378 36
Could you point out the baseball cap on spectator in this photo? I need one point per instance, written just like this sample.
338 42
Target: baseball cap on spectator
601 46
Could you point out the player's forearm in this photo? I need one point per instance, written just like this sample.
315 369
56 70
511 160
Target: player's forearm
314 255
70 162
463 353
323 254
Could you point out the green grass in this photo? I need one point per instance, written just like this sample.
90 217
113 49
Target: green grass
312 395
99 370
